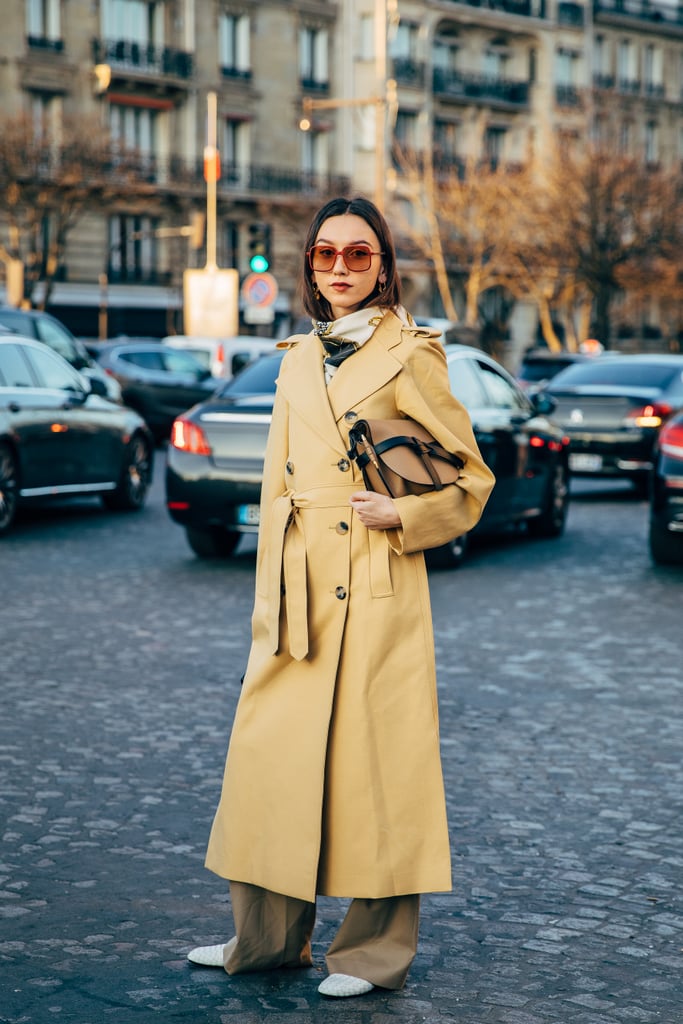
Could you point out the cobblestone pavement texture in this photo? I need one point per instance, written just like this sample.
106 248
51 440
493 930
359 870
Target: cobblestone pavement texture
560 690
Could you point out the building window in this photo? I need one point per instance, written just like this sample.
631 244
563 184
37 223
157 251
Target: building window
406 132
626 138
313 59
653 70
494 144
132 249
566 77
627 77
446 144
234 45
314 152
43 23
133 128
495 63
445 55
651 142
235 150
137 21
46 116
366 31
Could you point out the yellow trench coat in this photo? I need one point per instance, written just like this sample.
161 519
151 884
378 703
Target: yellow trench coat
333 780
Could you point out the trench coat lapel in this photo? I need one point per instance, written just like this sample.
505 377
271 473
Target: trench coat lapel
302 382
367 370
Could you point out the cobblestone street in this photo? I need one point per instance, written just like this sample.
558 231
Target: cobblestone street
560 675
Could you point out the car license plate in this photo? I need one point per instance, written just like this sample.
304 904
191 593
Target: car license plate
248 515
582 462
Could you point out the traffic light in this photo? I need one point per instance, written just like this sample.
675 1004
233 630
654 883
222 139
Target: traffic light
259 247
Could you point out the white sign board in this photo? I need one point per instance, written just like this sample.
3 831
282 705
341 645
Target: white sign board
211 303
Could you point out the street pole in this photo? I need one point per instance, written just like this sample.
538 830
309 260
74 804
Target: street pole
211 175
381 106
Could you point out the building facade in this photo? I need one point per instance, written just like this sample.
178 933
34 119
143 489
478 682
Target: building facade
311 96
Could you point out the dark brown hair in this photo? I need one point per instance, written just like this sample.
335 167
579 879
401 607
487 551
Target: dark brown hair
390 296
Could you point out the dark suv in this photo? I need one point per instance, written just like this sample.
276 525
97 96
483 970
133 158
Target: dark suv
40 326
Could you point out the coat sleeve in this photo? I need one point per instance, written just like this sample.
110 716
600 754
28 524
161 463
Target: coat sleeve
423 393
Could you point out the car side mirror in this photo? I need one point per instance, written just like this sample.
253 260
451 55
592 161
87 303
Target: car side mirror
97 387
543 403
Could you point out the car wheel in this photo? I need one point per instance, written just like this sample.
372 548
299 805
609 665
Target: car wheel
666 548
8 488
451 555
551 521
136 476
213 542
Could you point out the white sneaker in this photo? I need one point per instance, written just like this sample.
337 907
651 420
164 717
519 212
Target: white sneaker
210 956
342 985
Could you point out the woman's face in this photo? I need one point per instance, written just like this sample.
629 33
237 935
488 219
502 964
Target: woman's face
346 290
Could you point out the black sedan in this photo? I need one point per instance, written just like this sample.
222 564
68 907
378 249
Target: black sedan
158 381
41 326
666 495
59 438
612 409
215 458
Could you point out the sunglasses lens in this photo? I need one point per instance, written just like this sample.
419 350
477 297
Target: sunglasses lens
356 257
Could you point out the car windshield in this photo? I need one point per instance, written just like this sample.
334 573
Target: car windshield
542 369
616 373
256 379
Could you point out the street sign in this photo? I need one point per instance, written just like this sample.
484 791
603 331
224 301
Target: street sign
259 289
210 303
258 314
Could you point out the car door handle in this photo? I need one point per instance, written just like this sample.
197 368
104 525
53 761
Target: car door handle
14 407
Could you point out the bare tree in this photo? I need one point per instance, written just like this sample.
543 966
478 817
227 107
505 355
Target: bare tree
46 184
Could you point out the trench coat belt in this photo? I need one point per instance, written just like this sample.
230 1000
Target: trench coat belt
287 559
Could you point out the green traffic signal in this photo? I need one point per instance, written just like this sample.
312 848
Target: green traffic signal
259 263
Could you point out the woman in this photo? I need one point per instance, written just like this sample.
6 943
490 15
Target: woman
333 782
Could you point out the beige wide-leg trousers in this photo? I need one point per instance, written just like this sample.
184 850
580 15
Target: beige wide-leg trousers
377 939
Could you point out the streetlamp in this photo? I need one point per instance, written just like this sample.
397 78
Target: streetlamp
384 100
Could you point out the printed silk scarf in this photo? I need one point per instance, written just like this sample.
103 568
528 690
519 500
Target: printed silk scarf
341 338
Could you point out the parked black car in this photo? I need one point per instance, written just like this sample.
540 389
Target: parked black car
33 323
215 458
666 495
158 381
612 409
59 438
539 366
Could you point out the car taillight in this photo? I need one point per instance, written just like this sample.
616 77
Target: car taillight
220 358
186 436
671 440
649 415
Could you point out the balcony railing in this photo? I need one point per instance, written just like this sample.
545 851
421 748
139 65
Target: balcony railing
570 14
142 173
236 74
485 88
408 71
525 8
45 44
567 95
642 10
134 56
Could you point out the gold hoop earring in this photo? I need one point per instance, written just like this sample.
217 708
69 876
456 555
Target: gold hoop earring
316 290
382 286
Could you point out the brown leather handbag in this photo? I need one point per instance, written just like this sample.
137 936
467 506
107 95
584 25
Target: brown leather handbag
399 457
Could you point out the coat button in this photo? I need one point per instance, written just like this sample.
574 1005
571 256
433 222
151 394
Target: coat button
343 465
342 527
340 593
351 417
289 468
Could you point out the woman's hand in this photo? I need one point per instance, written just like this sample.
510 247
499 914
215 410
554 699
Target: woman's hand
376 511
